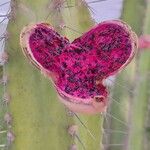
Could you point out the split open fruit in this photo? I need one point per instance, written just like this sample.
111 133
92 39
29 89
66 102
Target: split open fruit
78 69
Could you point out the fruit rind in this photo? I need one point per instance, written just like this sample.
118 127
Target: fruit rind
76 104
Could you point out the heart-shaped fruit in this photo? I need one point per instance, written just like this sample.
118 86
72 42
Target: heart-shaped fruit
78 69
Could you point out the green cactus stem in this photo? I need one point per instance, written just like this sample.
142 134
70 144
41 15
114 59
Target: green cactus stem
131 88
40 121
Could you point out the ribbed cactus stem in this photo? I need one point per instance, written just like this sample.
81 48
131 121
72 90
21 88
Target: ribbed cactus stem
35 118
141 97
131 87
39 120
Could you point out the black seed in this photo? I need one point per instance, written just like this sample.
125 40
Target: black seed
61 45
77 64
67 89
91 37
98 52
93 71
47 42
63 74
71 79
92 90
64 64
78 51
105 47
76 87
91 80
69 72
104 33
89 47
45 31
59 51
83 96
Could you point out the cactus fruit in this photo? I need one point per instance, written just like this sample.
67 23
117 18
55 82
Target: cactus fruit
78 69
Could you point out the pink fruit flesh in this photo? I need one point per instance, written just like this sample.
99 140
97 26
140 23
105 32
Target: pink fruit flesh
82 65
46 46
